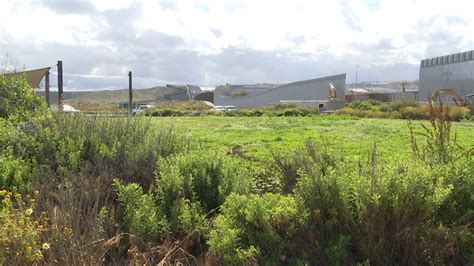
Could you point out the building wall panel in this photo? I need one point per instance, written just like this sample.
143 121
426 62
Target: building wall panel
315 89
457 74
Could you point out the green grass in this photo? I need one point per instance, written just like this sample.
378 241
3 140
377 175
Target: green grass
258 136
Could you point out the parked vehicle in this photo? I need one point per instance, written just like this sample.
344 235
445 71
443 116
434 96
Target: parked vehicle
142 108
218 108
223 108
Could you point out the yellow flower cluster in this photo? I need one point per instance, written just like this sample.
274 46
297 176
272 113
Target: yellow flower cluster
20 231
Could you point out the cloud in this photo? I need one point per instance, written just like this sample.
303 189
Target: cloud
69 7
211 42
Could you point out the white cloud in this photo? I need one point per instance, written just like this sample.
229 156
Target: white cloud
316 33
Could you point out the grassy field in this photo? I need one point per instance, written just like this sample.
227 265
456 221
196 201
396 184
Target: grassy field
212 190
257 137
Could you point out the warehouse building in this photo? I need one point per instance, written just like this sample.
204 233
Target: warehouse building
455 71
325 93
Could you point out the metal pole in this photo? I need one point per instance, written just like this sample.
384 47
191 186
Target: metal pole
46 88
130 95
60 85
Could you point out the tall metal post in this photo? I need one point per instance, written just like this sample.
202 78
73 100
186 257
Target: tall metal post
130 94
60 85
46 88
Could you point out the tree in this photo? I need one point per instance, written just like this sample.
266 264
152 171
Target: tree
403 85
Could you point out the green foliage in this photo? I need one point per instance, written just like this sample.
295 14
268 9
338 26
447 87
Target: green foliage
362 113
14 172
165 112
21 232
18 102
204 177
263 229
143 217
414 113
397 110
333 201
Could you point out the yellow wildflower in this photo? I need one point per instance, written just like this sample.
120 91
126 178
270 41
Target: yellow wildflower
29 212
45 246
38 255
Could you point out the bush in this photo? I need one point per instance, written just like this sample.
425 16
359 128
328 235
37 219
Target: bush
202 177
164 112
414 113
397 105
18 102
366 105
143 216
257 229
361 113
21 234
14 172
458 113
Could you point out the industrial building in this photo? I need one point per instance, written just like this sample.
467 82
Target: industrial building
324 93
454 71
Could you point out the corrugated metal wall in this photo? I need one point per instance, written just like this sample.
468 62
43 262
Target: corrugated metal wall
450 71
314 89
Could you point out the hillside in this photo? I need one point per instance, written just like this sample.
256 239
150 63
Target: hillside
155 94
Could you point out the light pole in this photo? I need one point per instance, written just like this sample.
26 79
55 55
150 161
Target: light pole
357 67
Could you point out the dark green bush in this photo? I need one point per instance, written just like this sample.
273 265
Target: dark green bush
143 216
361 113
397 105
365 105
204 177
18 102
258 229
164 112
414 113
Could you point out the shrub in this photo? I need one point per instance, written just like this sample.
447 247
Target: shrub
414 113
257 229
165 112
397 105
365 105
21 234
18 102
457 113
14 172
361 113
202 177
143 216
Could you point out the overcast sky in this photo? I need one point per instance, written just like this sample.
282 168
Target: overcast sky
212 42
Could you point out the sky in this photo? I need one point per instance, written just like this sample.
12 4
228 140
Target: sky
213 42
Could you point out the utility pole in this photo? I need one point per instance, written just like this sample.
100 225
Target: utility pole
130 95
357 67
60 85
46 88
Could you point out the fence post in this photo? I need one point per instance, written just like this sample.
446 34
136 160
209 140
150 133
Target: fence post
130 95
60 85
46 88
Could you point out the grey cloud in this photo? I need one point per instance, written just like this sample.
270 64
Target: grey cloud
157 58
349 16
70 6
451 20
439 40
217 32
168 4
